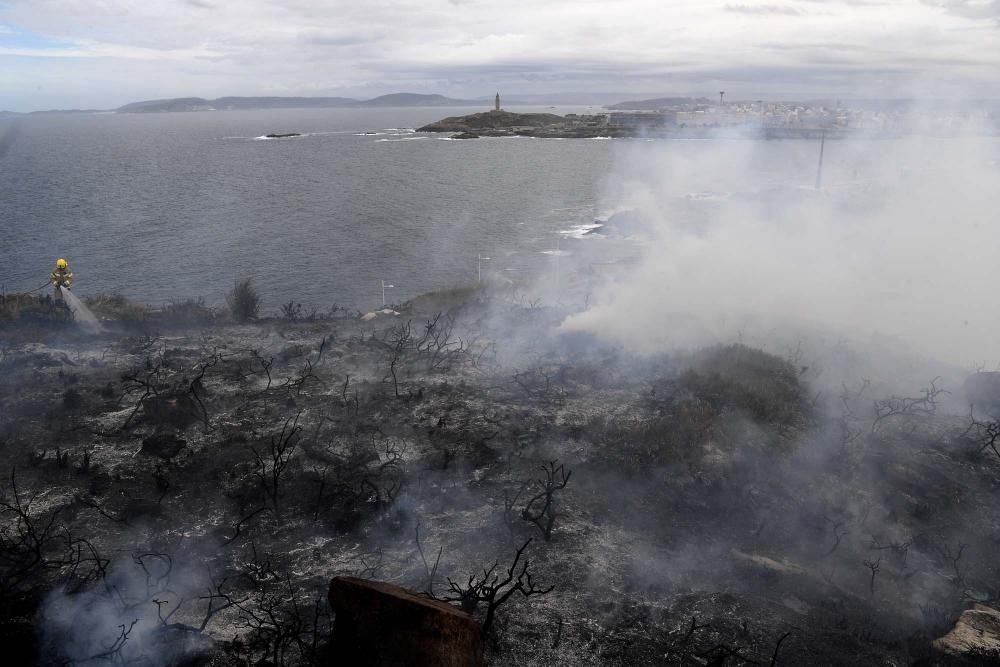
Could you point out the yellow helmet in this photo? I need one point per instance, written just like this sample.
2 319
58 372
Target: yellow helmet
61 263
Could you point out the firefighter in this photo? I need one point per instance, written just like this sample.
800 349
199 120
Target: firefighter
61 276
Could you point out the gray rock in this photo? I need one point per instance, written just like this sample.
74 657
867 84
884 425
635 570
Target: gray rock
382 625
976 634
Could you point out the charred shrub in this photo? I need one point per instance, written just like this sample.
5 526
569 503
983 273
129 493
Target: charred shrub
541 508
272 462
493 588
677 436
71 399
291 311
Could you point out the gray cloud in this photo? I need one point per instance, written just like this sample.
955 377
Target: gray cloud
763 9
851 3
467 48
975 9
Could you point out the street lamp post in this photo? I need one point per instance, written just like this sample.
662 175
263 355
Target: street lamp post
480 265
557 253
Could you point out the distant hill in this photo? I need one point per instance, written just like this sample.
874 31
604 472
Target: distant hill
53 112
281 102
176 104
658 103
244 103
561 99
415 100
227 103
45 112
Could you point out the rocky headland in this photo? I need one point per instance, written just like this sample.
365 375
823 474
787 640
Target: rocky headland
506 123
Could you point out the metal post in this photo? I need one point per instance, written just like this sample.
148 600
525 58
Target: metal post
480 265
557 270
819 168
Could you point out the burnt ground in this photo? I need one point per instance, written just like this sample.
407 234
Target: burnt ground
182 493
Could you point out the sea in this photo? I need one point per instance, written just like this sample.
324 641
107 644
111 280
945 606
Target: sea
172 206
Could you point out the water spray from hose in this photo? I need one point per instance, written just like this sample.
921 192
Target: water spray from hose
80 312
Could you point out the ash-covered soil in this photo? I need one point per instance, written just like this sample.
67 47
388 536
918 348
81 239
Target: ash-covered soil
184 495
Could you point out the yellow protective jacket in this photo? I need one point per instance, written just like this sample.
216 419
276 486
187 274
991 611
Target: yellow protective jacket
62 277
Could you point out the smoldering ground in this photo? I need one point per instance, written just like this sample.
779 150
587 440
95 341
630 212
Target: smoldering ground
873 278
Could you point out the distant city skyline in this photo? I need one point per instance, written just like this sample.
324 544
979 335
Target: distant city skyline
103 54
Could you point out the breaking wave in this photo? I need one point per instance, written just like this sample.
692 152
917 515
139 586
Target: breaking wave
582 231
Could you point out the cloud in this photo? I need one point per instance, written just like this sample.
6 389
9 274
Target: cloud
851 3
467 48
103 50
974 9
763 10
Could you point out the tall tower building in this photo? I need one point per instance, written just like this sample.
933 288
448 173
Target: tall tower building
497 108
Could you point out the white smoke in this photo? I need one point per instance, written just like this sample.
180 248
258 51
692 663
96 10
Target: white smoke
129 618
901 242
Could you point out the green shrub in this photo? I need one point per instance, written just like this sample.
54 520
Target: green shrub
26 310
244 301
741 377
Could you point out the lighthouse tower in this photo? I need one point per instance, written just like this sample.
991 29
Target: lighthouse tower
497 107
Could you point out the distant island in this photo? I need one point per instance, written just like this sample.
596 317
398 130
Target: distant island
249 103
52 112
192 104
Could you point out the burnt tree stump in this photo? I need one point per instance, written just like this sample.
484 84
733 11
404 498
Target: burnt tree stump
382 625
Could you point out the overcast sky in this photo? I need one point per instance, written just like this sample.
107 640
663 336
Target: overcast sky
103 53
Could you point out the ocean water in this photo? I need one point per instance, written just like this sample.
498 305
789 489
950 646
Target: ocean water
172 206
162 207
